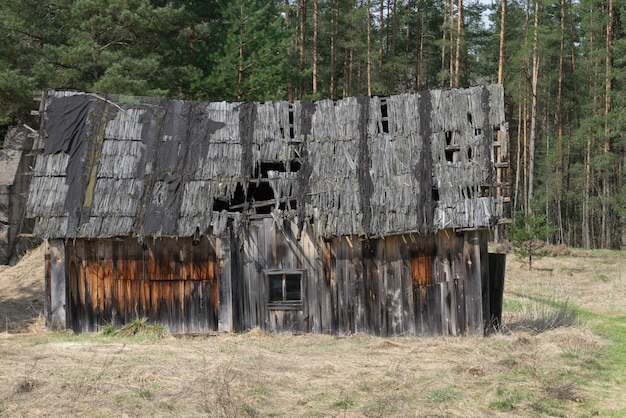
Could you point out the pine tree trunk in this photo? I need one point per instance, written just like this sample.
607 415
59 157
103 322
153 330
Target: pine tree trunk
559 131
369 52
315 36
501 55
607 213
459 35
451 46
351 63
586 211
302 8
240 69
586 229
524 123
333 52
290 95
518 162
533 114
499 177
419 47
381 28
443 43
406 60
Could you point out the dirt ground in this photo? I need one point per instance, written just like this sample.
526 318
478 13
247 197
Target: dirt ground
562 369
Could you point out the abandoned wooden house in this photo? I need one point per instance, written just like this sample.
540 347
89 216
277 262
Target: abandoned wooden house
356 215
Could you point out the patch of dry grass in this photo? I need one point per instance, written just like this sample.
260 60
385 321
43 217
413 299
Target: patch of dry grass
21 294
260 375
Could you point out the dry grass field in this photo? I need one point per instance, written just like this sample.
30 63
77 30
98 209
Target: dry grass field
561 352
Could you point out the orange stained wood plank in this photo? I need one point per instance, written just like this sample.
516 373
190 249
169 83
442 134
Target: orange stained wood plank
92 287
149 263
328 255
131 298
421 269
180 296
155 297
184 256
214 297
165 260
82 281
120 301
145 296
124 256
138 264
108 294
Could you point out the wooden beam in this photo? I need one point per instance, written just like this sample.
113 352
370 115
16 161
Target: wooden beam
474 283
224 283
58 285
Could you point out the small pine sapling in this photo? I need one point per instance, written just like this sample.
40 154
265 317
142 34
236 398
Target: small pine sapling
528 236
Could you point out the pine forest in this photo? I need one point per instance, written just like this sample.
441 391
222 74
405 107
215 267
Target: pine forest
562 63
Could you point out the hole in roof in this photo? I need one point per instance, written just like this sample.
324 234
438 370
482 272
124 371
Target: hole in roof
265 167
383 108
294 166
261 197
237 199
384 116
435 194
292 132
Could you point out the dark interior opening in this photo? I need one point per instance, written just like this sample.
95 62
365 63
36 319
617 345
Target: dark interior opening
448 138
238 199
258 193
469 117
384 116
264 167
469 154
259 196
294 166
435 194
449 156
478 131
291 122
288 205
261 170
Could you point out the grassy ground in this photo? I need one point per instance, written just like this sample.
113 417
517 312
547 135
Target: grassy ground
561 352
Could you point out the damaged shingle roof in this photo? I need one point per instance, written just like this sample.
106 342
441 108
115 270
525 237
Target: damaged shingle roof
118 166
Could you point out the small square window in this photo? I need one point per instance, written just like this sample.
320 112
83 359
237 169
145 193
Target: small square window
284 288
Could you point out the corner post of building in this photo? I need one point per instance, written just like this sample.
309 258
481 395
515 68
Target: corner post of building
224 283
57 285
474 283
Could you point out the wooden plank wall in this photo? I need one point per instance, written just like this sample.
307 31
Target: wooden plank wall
401 285
169 281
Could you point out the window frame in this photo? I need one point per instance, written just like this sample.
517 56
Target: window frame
285 303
